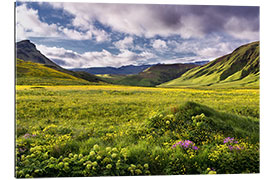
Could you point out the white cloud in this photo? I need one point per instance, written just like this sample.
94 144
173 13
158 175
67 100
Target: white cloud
164 20
71 59
181 60
209 48
239 28
159 44
28 24
76 35
125 43
100 35
140 20
206 32
191 26
212 51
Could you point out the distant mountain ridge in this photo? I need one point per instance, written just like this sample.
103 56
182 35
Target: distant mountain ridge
123 70
154 75
200 62
241 68
126 70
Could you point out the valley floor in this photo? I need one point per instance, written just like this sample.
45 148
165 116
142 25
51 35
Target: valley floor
122 130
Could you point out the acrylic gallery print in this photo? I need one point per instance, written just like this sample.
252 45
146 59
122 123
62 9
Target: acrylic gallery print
136 89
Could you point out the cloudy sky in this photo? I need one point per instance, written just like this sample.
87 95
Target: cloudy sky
96 35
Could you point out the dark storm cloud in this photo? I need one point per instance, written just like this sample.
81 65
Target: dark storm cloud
219 15
212 18
169 15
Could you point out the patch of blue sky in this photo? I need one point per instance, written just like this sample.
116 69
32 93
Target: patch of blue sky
18 3
51 15
99 25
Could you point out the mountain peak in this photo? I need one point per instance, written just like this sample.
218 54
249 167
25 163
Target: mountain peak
25 41
36 62
27 51
25 44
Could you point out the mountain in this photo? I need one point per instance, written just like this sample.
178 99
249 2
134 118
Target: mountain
123 70
237 69
154 75
25 50
200 62
30 73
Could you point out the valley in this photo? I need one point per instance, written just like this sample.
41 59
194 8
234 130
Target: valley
168 119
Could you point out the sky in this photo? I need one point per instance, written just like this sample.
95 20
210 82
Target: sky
81 35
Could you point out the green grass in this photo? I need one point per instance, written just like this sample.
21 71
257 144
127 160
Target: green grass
230 124
29 73
134 128
235 70
111 78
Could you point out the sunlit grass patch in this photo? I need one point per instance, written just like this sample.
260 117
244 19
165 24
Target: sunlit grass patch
62 124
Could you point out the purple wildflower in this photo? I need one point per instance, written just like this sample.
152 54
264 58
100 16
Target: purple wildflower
185 145
229 140
237 147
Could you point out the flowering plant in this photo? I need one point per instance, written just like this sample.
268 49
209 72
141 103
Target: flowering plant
229 140
186 144
233 145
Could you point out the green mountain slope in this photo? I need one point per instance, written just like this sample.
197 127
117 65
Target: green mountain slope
25 50
80 74
154 75
30 73
238 69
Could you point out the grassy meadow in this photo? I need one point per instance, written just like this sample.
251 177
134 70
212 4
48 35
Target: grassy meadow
104 130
